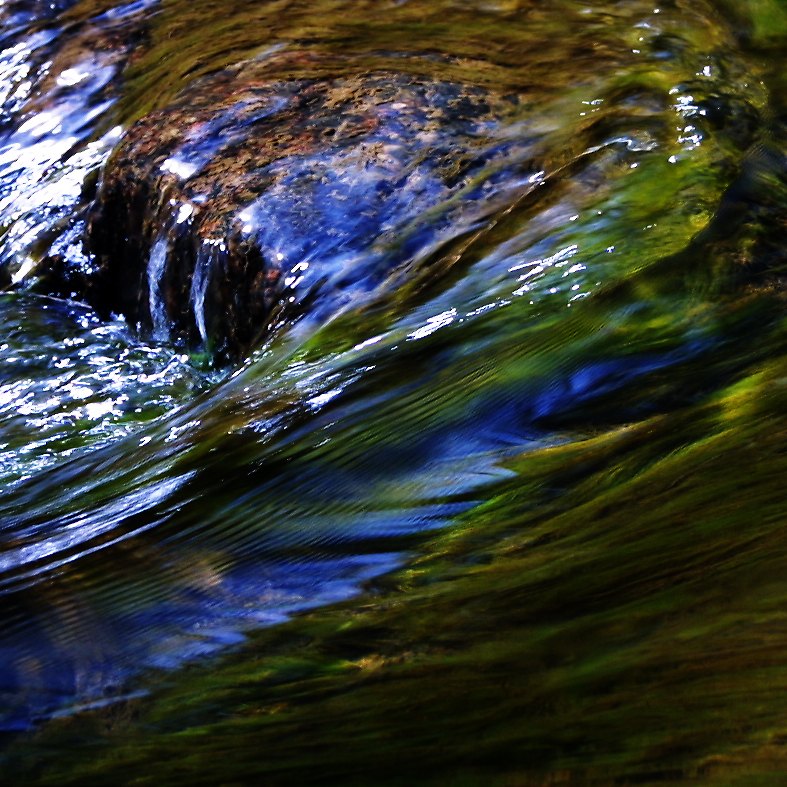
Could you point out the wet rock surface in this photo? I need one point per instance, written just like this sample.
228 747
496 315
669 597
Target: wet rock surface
247 197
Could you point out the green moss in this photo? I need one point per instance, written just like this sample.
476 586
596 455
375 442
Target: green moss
613 613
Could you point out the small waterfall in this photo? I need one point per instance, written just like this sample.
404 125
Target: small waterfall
199 285
157 265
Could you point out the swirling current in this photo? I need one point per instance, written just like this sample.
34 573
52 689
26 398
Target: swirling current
478 472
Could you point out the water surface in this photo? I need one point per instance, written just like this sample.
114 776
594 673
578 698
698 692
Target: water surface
529 488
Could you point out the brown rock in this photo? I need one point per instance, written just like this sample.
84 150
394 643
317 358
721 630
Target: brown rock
247 195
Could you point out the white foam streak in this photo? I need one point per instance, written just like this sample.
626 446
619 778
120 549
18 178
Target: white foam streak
92 524
157 265
199 288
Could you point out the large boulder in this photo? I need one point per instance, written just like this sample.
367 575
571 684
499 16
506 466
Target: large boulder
248 198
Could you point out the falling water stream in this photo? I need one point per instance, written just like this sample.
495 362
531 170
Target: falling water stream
456 369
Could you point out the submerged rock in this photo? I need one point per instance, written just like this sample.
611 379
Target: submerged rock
246 197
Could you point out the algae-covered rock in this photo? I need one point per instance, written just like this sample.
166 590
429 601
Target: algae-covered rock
246 195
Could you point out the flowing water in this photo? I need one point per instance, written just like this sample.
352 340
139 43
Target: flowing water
527 482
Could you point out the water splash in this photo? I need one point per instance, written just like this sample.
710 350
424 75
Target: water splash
57 91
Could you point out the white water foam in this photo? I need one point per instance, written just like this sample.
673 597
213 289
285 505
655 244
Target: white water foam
157 265
199 286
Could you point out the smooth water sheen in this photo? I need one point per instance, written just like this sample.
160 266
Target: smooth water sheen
530 486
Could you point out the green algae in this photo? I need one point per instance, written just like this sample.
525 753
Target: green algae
612 614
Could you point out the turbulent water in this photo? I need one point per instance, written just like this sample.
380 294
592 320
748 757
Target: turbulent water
617 261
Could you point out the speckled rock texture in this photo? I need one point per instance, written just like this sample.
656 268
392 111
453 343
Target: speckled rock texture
247 200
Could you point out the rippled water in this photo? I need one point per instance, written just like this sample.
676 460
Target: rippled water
617 262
